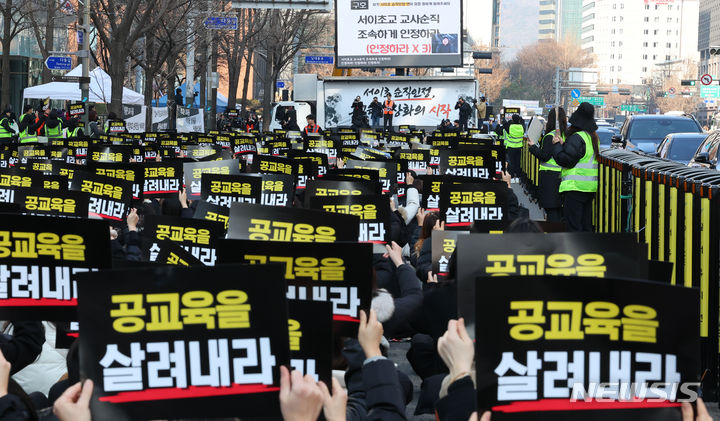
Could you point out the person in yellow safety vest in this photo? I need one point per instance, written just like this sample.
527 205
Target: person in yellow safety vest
6 132
53 126
513 146
577 156
28 125
549 174
74 129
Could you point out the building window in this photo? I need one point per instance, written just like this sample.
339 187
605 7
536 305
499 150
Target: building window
644 56
647 19
669 45
646 32
645 44
644 69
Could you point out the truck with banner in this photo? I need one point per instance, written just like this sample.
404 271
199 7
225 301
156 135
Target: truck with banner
420 101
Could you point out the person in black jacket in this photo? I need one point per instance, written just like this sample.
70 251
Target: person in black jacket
549 174
374 389
579 176
376 112
24 345
465 112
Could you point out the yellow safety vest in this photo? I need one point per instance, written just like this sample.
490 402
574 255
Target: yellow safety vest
514 136
550 165
583 176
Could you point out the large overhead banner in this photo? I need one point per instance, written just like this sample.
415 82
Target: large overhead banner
398 33
417 102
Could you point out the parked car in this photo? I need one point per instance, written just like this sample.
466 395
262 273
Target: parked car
605 134
680 147
645 132
706 155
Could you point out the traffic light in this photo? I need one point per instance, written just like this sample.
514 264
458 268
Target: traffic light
687 83
482 55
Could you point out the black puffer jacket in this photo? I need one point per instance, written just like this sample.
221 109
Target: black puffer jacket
569 153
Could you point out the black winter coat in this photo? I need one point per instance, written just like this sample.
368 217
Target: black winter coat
23 347
374 391
376 109
549 185
407 305
465 110
569 153
460 401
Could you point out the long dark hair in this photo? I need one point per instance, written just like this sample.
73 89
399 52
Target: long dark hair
593 136
430 219
553 124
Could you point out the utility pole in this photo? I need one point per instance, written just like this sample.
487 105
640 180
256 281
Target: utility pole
190 64
84 55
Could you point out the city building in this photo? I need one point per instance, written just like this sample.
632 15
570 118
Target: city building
547 20
709 36
560 20
630 39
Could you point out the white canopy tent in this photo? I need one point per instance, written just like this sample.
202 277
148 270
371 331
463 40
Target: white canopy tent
100 89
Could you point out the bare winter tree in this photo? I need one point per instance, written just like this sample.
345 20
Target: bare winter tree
162 46
120 24
285 33
237 46
13 15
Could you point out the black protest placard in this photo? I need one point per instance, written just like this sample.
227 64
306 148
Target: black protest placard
159 344
564 348
274 165
135 174
224 190
41 165
468 163
340 174
275 223
496 151
201 151
14 178
172 254
117 126
61 203
443 244
432 187
65 334
527 254
193 172
461 204
340 273
210 212
387 171
327 188
113 154
310 330
77 109
277 190
41 257
242 145
417 160
197 236
373 211
109 197
324 146
320 159
162 179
